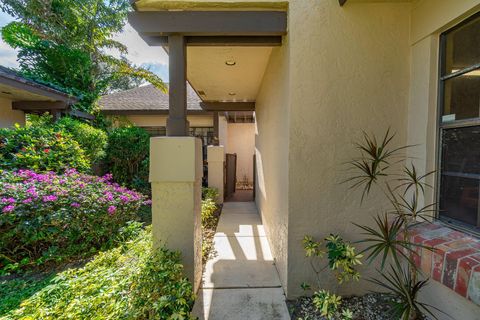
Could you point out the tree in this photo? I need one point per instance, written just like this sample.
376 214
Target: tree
64 43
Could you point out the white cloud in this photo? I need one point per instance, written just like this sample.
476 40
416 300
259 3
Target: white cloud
142 54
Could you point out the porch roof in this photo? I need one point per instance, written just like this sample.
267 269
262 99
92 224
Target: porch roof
30 96
222 48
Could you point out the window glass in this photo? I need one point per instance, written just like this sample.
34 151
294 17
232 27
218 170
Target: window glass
462 48
462 97
460 174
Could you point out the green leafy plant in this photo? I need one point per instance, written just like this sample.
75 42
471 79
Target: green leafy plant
342 260
329 305
389 238
67 45
210 193
40 148
131 281
92 140
210 217
51 218
405 289
127 156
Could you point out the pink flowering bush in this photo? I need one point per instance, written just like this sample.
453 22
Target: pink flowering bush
46 217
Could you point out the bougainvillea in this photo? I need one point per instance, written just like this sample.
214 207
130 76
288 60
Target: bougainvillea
47 217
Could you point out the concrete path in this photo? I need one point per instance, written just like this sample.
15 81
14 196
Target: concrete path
241 282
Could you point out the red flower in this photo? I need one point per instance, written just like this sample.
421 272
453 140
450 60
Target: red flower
46 150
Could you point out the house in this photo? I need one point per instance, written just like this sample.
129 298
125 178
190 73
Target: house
318 73
147 107
19 96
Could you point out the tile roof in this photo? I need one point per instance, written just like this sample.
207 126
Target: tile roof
145 98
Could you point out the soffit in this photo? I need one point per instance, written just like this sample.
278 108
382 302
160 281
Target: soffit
14 94
214 80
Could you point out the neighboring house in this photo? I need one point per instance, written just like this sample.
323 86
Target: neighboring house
147 107
19 96
321 71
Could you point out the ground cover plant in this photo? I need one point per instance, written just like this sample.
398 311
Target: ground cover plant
131 281
49 217
210 216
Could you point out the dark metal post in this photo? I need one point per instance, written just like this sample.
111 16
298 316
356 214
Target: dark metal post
216 129
177 124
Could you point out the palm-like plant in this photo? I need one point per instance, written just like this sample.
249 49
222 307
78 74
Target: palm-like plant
405 290
390 236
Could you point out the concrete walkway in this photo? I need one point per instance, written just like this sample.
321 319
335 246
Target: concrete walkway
241 282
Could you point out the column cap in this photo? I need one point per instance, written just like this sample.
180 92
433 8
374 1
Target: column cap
215 154
175 159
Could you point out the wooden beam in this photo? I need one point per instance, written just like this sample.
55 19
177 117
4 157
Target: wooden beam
150 112
228 106
219 41
177 124
342 2
232 41
210 23
39 105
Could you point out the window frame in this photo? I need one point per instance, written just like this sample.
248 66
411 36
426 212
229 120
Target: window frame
441 126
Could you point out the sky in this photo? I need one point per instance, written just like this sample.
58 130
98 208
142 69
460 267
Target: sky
153 58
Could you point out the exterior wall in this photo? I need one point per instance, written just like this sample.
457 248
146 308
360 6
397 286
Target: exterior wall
367 66
350 72
271 142
161 120
429 19
241 140
9 117
223 131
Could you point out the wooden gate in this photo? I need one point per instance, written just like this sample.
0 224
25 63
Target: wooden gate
230 174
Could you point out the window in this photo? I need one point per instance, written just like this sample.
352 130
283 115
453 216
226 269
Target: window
459 174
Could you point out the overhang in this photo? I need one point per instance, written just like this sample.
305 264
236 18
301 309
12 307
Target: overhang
31 96
227 49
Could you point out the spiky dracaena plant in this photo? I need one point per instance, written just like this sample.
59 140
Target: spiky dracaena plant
389 239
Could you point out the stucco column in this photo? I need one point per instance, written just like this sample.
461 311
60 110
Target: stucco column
216 164
175 175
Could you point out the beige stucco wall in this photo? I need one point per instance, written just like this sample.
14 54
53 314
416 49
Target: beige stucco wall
9 117
161 120
350 72
241 140
271 141
223 131
368 66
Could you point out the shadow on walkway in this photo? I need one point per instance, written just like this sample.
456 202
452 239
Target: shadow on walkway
241 282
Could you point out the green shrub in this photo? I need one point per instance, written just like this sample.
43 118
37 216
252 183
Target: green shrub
40 148
93 141
208 209
53 218
133 281
210 193
127 151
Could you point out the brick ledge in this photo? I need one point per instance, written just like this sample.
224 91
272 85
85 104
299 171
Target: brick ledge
455 262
